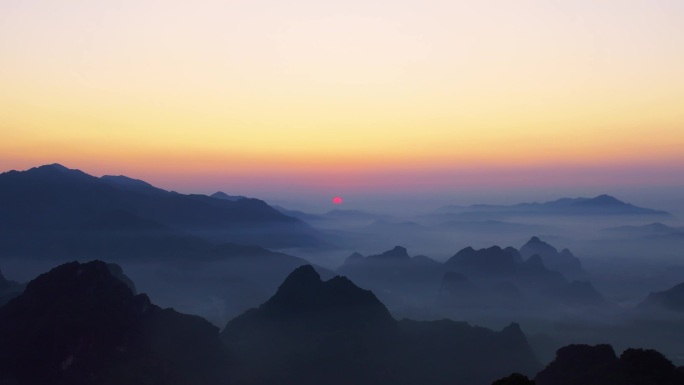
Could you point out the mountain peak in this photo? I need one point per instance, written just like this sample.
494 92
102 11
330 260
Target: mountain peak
336 303
606 199
537 246
672 299
396 252
304 274
80 324
58 167
535 239
222 195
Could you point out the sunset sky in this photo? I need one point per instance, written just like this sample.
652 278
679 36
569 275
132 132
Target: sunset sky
317 98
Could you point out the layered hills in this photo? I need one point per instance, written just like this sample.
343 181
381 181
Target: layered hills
81 323
60 210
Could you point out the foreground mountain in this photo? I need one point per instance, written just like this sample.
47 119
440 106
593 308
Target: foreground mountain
53 207
79 324
598 365
8 289
333 332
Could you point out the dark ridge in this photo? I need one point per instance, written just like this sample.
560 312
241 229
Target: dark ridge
564 262
79 324
598 365
222 195
9 289
396 252
336 333
671 299
55 205
491 260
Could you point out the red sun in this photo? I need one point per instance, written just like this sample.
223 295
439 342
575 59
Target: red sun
337 200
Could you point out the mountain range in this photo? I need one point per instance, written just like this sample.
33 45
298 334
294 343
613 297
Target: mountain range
485 279
59 211
601 205
81 324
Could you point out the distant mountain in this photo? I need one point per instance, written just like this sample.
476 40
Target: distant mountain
564 262
394 275
602 205
671 299
55 207
491 278
652 230
493 260
313 332
79 324
503 278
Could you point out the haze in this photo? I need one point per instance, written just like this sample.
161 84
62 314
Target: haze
387 192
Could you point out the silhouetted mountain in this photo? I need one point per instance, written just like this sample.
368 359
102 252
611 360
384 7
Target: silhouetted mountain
117 272
333 332
321 328
78 324
222 195
355 257
564 262
395 276
514 379
493 260
9 289
221 282
312 304
671 299
126 183
50 207
504 280
600 205
397 252
598 365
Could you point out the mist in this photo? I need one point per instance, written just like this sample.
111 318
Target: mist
520 270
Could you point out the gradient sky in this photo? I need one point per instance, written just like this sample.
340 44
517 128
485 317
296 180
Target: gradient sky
309 98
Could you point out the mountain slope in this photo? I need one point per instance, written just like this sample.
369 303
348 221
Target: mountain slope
57 204
333 332
671 299
564 261
79 324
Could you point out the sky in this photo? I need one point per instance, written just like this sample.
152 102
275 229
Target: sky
305 100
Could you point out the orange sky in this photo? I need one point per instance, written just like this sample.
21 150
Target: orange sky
252 96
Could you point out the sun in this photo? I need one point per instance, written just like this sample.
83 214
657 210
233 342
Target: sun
337 200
